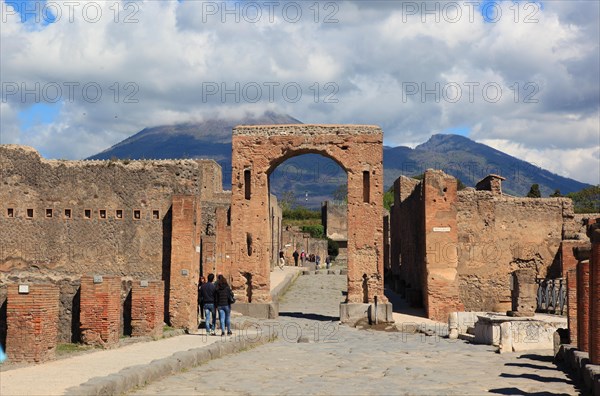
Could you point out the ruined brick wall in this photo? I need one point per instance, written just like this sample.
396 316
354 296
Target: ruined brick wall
276 218
444 242
117 212
408 238
335 220
500 234
32 320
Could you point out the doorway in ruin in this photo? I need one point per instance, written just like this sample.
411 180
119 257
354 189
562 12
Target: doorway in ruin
256 152
303 189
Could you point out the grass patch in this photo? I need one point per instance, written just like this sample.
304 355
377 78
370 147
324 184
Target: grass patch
67 348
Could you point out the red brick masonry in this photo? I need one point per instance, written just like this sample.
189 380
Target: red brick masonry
32 323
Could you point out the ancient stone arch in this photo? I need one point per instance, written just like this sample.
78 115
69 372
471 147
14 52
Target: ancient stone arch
257 150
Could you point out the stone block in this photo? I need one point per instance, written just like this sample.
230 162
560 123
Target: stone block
351 313
257 310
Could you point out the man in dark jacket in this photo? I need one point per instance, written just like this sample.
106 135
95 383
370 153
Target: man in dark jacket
207 294
296 255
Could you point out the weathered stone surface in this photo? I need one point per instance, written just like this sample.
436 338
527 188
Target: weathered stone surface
257 150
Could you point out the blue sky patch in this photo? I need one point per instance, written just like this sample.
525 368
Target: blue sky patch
38 114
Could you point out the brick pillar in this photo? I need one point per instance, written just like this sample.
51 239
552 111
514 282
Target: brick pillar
185 263
567 255
524 293
147 308
595 294
441 246
100 305
32 318
583 306
572 306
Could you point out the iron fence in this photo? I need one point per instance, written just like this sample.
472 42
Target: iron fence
552 295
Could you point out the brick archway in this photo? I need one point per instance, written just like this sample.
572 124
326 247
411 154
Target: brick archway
257 150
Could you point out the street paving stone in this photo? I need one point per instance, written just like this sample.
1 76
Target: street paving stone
341 360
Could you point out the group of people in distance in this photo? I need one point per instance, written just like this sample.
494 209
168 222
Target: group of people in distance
212 298
304 257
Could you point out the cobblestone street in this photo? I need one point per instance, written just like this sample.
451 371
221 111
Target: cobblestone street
341 360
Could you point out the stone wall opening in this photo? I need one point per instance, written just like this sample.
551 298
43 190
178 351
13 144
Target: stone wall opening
355 148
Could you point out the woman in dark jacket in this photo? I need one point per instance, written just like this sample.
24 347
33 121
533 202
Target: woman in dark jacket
222 294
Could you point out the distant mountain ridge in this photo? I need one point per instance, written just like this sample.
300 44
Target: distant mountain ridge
314 177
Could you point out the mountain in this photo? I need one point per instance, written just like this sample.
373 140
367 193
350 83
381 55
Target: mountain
314 178
470 162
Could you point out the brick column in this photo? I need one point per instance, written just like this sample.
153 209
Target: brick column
594 234
441 246
32 318
185 264
100 310
147 308
572 306
583 306
523 293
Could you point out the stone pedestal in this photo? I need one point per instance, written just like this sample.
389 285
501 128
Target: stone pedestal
524 299
350 313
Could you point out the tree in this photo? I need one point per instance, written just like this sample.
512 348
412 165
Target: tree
556 194
341 193
288 201
534 191
586 200
388 198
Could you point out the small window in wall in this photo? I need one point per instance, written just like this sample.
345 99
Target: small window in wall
87 213
155 214
49 213
67 213
247 184
229 216
119 214
366 187
10 212
102 213
137 214
29 213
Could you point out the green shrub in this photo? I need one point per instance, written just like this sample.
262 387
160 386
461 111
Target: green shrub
333 248
315 231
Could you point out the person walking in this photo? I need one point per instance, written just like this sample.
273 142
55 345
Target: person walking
296 255
302 257
317 260
281 260
223 296
328 261
201 281
207 293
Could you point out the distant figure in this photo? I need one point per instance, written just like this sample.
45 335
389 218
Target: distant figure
207 293
302 257
296 255
318 260
222 299
281 260
328 261
201 281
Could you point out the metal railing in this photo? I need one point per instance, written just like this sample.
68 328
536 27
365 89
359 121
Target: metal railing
552 296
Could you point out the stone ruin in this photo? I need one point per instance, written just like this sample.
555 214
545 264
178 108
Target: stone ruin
122 235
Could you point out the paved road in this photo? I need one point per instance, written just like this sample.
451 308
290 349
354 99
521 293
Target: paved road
346 361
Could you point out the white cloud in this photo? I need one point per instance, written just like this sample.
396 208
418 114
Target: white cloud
173 52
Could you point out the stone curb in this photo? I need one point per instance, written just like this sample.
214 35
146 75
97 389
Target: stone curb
132 377
283 286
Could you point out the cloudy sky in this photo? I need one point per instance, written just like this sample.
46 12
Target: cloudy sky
523 77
